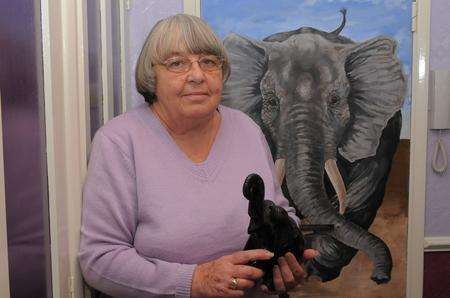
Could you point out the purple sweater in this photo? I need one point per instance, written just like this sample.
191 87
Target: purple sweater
150 214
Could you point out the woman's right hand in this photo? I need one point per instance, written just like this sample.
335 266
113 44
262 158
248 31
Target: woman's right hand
215 278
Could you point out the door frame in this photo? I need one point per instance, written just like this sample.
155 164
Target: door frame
64 41
418 148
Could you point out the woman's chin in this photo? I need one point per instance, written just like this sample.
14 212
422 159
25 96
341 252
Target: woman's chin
199 113
199 109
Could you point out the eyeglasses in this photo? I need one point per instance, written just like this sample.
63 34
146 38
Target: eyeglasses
182 64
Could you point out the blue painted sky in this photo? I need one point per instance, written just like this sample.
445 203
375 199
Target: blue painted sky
365 19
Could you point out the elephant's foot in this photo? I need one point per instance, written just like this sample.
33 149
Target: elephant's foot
333 256
325 273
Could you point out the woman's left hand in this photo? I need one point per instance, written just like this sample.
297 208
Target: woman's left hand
289 273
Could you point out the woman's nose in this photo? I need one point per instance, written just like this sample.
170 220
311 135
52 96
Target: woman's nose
196 74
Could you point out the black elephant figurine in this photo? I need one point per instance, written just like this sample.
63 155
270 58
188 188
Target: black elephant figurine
330 110
270 228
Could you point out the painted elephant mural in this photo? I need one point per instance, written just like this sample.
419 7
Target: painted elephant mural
330 110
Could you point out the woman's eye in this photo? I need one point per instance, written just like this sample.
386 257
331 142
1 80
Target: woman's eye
209 62
175 63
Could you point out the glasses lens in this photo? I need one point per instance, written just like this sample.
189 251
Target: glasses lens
177 64
210 63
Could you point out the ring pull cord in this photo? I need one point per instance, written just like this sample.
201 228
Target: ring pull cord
440 147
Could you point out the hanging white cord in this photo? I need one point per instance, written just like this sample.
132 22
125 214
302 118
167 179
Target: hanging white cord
440 146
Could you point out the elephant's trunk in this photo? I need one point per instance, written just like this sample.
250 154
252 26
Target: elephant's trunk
333 173
304 177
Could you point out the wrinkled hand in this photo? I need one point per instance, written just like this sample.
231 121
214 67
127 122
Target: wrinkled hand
289 273
213 279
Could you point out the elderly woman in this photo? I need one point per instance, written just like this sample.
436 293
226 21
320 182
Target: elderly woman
164 214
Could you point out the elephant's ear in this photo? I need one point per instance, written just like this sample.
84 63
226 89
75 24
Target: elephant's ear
248 60
377 91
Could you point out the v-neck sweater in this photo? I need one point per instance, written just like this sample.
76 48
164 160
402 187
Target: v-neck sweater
150 214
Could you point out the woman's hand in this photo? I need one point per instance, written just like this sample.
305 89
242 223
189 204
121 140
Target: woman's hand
228 276
289 273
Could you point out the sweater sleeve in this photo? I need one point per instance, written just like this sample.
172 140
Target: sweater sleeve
279 198
107 256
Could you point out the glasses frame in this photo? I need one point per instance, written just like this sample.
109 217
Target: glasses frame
189 65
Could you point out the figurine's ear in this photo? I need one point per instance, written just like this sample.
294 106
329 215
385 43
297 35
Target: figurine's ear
253 188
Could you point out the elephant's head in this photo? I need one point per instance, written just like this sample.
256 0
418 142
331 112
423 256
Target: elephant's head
317 95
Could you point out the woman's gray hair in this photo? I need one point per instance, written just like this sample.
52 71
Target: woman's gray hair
180 33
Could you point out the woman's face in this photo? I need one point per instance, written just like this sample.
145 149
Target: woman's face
193 94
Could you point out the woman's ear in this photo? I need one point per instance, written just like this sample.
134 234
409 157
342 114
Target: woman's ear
377 91
248 61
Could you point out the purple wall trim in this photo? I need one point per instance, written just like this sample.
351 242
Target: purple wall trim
436 275
142 16
95 77
24 148
437 213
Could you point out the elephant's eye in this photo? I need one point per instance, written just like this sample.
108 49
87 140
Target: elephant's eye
334 99
273 102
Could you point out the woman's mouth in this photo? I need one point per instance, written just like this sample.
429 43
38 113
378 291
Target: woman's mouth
196 95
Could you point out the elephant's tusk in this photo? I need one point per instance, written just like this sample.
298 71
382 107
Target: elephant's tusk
280 170
337 182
